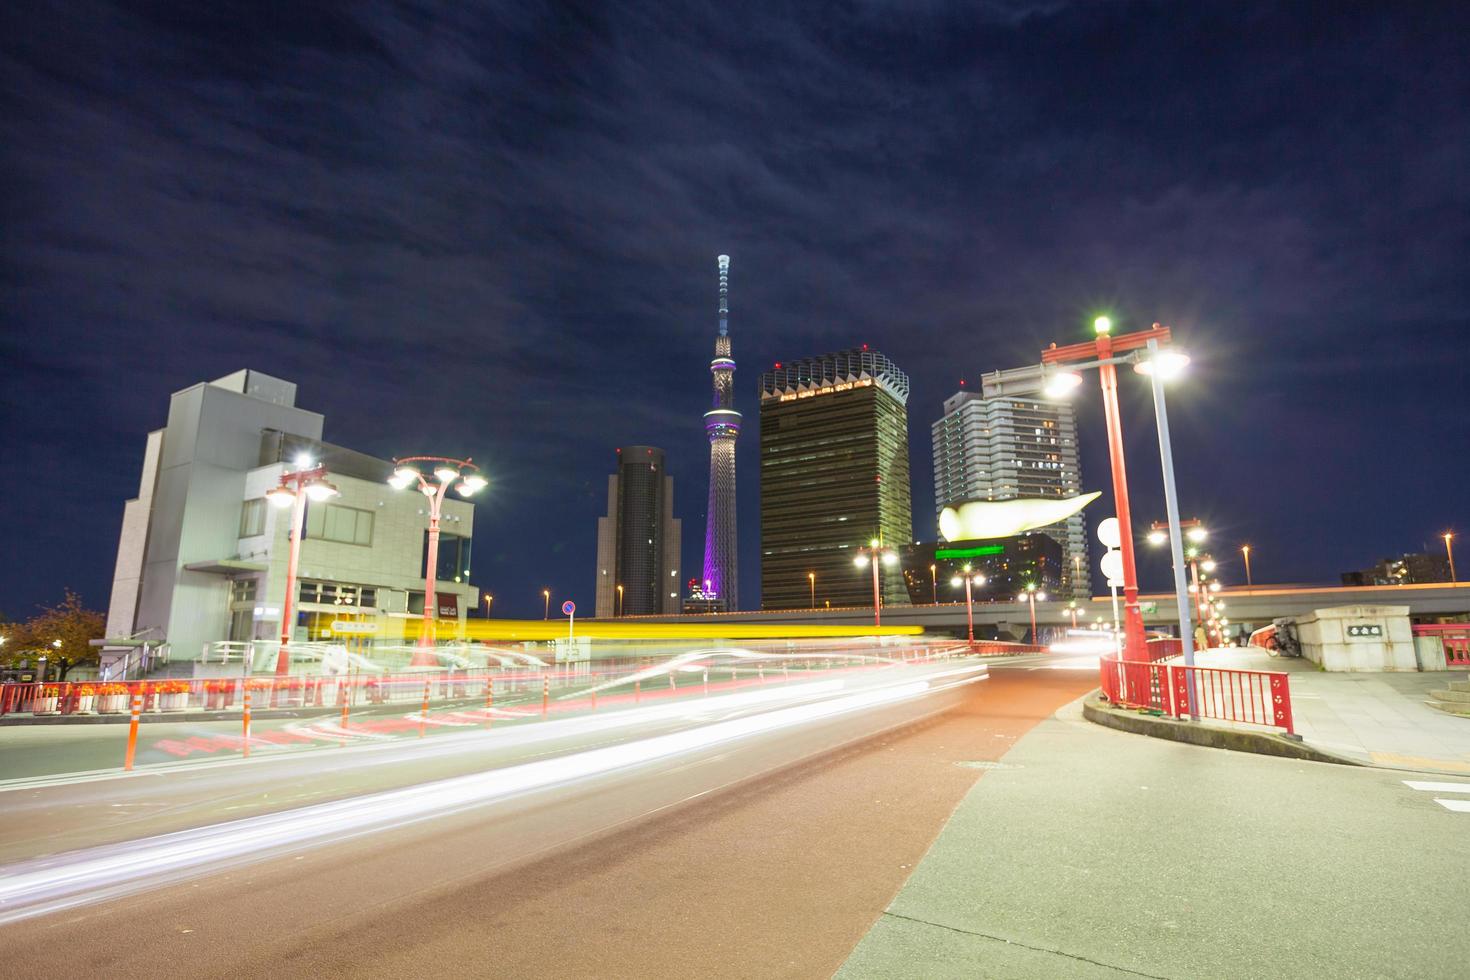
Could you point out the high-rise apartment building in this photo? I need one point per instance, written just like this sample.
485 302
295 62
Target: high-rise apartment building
638 540
1006 441
834 475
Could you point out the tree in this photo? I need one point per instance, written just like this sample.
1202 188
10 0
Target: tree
60 633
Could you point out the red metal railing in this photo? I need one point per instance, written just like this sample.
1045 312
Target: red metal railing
1164 648
1456 640
1251 697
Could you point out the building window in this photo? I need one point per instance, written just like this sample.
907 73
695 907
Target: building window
338 594
252 517
242 590
333 522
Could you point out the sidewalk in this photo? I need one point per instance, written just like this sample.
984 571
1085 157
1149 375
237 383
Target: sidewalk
1377 719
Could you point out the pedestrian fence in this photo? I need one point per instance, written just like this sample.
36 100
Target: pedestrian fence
1250 697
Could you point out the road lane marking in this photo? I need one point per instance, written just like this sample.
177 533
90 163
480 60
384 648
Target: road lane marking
1459 806
1429 787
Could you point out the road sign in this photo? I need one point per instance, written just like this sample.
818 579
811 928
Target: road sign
568 607
1112 567
1108 534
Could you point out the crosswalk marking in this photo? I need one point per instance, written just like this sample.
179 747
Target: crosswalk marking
1455 806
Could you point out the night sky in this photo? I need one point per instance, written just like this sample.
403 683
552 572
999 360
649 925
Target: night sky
491 230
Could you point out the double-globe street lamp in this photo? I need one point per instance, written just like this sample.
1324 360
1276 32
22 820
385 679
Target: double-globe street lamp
967 580
307 482
1031 596
880 555
446 472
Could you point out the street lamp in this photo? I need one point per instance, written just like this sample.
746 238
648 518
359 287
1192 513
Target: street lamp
489 600
307 482
968 580
1103 353
880 555
617 612
1032 597
464 476
1449 549
546 594
1072 608
934 582
1245 550
811 578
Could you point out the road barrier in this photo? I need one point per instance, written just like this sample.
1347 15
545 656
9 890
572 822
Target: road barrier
1251 697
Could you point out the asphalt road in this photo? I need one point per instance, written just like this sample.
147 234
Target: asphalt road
751 858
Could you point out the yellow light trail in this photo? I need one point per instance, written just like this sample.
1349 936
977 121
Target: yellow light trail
537 629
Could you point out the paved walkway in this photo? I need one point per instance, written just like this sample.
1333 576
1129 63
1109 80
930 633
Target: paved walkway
1379 719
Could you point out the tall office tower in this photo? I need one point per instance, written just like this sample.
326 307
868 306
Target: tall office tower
638 541
720 581
834 475
1006 441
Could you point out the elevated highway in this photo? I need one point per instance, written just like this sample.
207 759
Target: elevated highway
1246 606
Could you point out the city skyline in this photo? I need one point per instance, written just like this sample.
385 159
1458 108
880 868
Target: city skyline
414 304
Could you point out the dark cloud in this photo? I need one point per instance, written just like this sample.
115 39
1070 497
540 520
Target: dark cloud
491 230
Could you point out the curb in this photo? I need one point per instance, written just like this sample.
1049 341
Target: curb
1100 712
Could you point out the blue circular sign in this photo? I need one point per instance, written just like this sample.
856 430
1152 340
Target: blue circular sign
569 607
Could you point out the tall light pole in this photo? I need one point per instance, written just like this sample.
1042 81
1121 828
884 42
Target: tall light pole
811 578
880 555
489 601
968 580
1245 550
1103 353
616 612
1031 597
1449 549
307 482
934 581
546 594
1072 608
464 476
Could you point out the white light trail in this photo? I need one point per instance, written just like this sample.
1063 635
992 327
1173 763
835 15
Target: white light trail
65 881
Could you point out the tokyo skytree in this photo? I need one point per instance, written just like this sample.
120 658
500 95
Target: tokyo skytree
722 424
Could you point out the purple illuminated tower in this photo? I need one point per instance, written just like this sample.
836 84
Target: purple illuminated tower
722 423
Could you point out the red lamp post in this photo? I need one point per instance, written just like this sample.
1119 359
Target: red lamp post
307 481
1031 596
968 580
464 476
879 555
1102 353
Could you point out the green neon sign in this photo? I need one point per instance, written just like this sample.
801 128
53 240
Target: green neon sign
977 552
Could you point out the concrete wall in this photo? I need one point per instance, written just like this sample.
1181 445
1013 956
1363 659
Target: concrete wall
1358 638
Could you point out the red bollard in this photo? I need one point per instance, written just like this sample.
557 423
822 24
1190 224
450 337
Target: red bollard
545 695
424 714
133 733
245 717
489 699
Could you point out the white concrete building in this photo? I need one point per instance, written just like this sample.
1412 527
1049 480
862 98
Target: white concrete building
202 556
1006 441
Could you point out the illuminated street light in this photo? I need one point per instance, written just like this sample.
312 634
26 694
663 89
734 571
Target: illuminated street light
1208 564
616 612
1032 597
1197 534
1245 549
968 580
879 555
307 482
464 476
1449 549
1105 352
1157 537
1170 364
811 578
546 594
